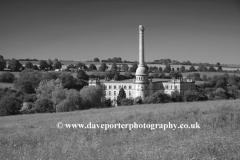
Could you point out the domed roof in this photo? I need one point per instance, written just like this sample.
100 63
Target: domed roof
141 70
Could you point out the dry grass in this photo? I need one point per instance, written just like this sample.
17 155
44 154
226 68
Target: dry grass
36 136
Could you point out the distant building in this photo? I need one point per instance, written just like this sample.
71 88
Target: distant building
142 86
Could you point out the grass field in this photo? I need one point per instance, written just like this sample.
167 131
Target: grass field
8 85
37 137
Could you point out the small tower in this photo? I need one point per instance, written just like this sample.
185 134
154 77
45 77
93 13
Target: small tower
141 81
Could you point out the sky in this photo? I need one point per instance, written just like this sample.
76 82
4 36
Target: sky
80 30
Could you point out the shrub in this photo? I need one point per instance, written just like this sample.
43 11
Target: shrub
158 97
176 97
7 77
126 102
27 108
192 95
10 106
43 105
138 100
107 103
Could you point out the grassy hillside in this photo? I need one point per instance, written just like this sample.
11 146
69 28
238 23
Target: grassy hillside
36 136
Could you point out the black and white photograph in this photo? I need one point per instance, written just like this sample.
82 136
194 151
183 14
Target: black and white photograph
119 79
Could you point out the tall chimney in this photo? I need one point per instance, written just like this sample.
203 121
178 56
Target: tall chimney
141 45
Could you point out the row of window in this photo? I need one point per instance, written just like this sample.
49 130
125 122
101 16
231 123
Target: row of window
119 87
115 93
141 78
187 86
171 87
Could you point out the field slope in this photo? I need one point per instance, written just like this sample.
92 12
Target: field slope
37 137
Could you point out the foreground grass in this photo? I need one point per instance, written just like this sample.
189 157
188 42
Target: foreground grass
36 136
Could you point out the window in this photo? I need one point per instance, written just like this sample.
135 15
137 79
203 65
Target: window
110 87
175 87
114 93
115 87
119 86
125 87
130 87
109 93
129 93
166 86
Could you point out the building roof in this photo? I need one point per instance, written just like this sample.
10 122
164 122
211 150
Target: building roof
154 80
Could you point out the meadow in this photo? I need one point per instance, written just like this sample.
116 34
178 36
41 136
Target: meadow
37 137
8 85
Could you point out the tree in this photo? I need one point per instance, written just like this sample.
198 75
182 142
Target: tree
82 75
226 75
204 77
28 65
43 65
28 80
26 87
192 68
121 95
68 81
193 95
167 69
134 67
2 63
46 88
96 60
103 67
182 69
195 76
35 67
125 67
81 66
10 106
217 64
176 96
114 66
220 93
49 62
128 75
92 96
68 100
160 69
211 69
70 66
7 77
232 80
44 105
221 83
30 98
219 69
126 102
14 65
175 75
158 97
92 67
57 65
